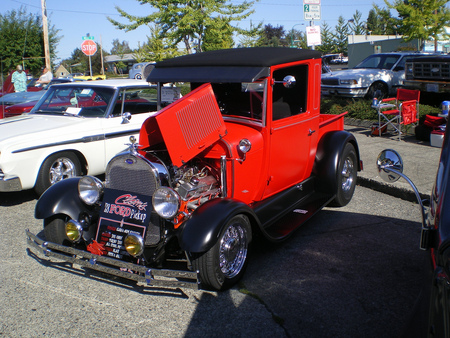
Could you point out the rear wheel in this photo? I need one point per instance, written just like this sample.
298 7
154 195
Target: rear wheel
224 264
56 168
346 176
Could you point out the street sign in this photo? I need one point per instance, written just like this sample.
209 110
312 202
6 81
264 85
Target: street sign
88 38
311 12
88 47
313 37
311 2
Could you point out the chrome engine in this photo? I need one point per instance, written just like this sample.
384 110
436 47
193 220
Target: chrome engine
196 182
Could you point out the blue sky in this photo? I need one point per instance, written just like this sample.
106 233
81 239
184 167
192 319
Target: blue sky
76 18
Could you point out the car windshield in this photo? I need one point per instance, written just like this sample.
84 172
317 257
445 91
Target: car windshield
244 100
379 61
76 100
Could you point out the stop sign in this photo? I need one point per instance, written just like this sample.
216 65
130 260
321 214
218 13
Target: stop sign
88 47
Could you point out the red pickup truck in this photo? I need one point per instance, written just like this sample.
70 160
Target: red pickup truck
245 154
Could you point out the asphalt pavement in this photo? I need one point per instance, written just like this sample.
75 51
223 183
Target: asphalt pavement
420 161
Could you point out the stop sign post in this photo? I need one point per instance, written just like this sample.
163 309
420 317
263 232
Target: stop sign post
89 48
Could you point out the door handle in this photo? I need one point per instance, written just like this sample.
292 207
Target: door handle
310 132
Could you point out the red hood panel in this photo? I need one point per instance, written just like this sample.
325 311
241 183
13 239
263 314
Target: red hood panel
188 126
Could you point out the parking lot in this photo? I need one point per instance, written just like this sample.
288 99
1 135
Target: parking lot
349 272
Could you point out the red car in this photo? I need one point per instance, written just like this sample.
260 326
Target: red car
246 153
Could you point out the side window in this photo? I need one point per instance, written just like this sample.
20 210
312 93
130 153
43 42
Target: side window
137 101
290 101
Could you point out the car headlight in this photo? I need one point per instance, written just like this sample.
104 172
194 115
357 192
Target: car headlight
134 244
166 202
90 189
74 230
348 82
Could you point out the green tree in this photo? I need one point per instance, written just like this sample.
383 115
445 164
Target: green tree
79 62
120 47
157 48
381 22
341 36
251 36
219 35
327 38
296 38
356 26
22 41
421 19
187 21
272 36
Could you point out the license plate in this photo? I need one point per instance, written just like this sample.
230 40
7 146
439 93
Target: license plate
432 87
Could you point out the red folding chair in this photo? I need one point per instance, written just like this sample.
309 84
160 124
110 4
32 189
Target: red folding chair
400 110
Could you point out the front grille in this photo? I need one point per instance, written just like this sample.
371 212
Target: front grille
131 173
331 82
432 70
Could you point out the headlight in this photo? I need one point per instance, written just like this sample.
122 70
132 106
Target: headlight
134 244
74 230
90 189
166 202
348 82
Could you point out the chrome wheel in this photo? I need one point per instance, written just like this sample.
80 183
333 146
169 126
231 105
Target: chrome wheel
62 168
348 174
233 250
55 168
224 264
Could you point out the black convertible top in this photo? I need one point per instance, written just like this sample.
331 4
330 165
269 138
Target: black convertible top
227 65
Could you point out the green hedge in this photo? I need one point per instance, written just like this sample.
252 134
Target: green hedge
362 109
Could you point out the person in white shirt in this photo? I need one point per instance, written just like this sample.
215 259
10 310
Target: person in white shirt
45 78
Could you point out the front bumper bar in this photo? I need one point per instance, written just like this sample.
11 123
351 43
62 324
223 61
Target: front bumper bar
139 274
10 184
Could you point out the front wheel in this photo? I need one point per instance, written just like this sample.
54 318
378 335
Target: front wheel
55 230
378 90
346 176
224 264
56 168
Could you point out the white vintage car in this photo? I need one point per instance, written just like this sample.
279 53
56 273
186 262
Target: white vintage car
379 75
74 129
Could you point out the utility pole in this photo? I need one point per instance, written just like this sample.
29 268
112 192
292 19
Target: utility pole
45 30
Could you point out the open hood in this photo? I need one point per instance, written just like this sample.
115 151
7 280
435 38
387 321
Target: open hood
187 127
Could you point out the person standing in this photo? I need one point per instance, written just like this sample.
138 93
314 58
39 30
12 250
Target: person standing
19 78
45 78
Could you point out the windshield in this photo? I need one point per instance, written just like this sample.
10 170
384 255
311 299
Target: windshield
244 100
76 100
379 61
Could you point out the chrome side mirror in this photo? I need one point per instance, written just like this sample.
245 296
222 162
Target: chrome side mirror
390 165
289 81
390 169
126 117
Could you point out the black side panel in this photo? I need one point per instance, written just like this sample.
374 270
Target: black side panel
202 230
283 213
60 198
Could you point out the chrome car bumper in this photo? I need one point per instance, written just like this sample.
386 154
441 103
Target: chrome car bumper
111 266
341 91
9 183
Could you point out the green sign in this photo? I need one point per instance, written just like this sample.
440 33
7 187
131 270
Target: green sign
88 38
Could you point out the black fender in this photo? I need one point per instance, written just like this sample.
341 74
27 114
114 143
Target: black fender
202 230
61 198
329 151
